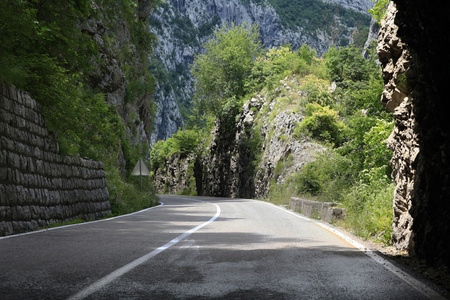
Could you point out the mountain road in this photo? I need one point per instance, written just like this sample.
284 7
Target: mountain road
199 248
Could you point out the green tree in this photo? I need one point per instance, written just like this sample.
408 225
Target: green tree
220 72
307 54
321 123
345 64
272 66
379 9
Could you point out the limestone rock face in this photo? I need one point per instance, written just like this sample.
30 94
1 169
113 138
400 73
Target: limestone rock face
245 151
413 50
176 176
358 5
109 76
395 59
183 26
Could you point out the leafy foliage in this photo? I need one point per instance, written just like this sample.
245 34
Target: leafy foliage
221 71
184 142
369 209
276 63
379 9
347 64
329 176
45 51
321 123
126 197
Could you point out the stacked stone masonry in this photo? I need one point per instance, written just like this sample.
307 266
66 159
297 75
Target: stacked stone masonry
38 186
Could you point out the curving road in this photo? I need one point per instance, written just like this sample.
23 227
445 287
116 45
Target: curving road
199 248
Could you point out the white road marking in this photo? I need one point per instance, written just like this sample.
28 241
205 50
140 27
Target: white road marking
127 268
413 282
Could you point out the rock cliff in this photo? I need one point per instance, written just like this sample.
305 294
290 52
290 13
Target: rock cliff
182 27
396 59
247 152
120 66
413 47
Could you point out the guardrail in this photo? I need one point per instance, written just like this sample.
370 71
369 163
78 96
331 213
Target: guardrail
326 211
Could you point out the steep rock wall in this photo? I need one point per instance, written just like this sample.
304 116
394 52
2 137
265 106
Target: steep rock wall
183 26
421 88
118 53
246 150
38 186
396 59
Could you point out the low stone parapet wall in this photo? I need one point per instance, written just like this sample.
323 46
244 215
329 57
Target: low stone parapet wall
327 211
38 186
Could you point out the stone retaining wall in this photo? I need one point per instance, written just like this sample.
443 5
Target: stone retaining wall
38 186
326 211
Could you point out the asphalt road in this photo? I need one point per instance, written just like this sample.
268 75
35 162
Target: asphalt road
198 248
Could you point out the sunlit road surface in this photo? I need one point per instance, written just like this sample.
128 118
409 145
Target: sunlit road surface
199 248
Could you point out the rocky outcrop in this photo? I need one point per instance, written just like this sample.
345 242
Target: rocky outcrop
176 176
249 149
38 186
396 59
183 26
372 37
414 65
357 5
112 75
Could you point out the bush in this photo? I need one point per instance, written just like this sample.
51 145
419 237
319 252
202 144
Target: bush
328 177
317 90
184 142
126 197
221 71
321 123
369 209
269 68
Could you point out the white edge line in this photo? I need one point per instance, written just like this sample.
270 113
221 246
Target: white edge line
79 224
128 267
410 280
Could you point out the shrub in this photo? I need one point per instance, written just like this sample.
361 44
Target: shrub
183 143
321 123
328 176
316 90
126 197
369 209
221 71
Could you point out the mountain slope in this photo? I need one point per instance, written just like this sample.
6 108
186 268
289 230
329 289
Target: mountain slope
183 26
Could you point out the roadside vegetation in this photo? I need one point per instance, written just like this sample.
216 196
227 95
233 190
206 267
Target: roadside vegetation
44 51
339 98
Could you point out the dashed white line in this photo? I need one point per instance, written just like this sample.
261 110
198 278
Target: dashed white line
127 268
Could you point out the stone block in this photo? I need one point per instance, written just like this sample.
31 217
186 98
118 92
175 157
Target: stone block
3 158
3 213
40 169
6 104
11 195
3 173
326 211
3 196
46 197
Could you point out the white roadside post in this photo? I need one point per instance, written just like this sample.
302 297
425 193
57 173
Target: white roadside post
141 170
